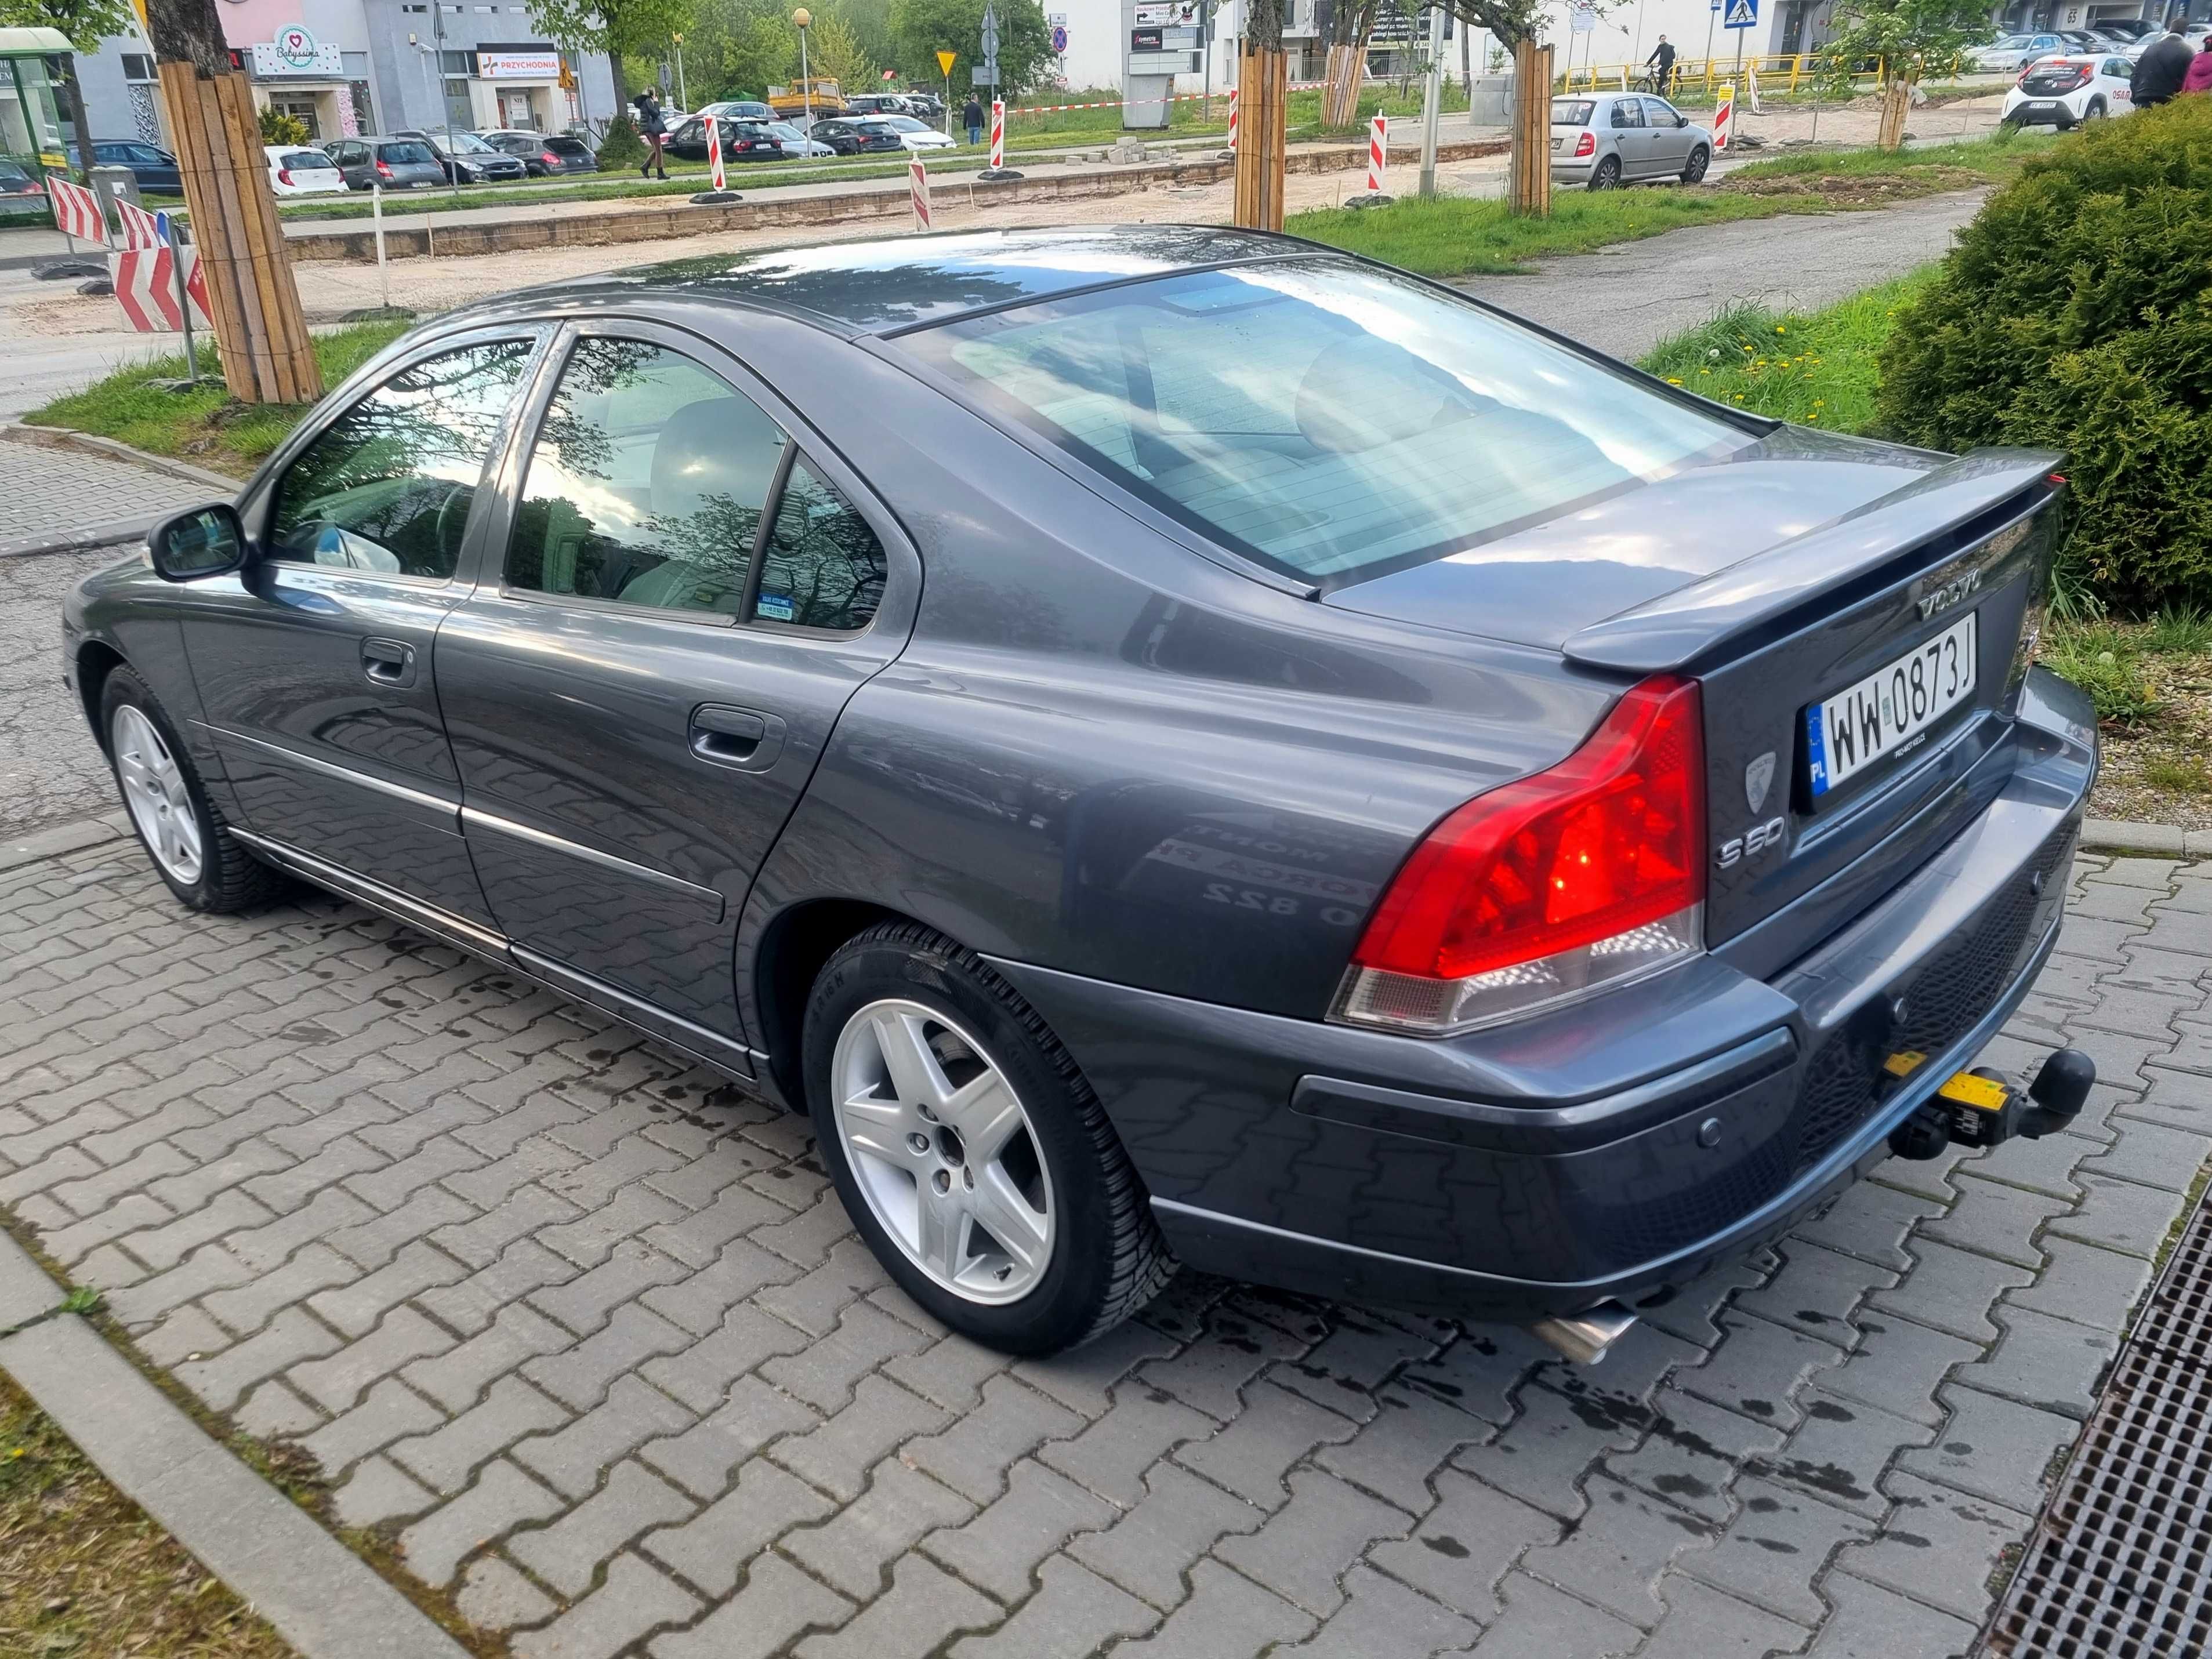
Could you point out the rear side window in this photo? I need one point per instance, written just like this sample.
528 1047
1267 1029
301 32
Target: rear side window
1329 420
823 566
1570 112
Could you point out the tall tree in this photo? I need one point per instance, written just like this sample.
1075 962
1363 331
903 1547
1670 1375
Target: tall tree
834 51
267 355
922 28
617 27
1351 26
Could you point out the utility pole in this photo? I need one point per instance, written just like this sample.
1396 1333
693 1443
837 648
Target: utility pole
438 83
268 357
799 20
1432 98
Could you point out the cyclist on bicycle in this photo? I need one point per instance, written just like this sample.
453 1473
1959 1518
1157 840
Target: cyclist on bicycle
1661 63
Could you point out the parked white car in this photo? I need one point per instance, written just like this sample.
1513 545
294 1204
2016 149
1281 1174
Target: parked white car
918 135
296 170
2062 92
2015 52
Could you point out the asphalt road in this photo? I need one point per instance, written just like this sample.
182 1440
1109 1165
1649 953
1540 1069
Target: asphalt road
1625 299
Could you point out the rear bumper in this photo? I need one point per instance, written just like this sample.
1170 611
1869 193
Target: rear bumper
1613 1151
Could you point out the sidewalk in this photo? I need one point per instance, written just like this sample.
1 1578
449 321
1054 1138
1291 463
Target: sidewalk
584 1331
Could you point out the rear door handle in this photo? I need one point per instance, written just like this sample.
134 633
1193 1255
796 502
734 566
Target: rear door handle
745 739
388 662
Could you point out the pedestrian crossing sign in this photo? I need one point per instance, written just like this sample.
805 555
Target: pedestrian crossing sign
1741 15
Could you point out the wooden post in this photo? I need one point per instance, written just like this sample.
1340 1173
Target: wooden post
267 355
1896 105
1529 174
1262 105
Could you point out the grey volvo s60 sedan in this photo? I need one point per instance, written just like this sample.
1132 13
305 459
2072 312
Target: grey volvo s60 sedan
1170 743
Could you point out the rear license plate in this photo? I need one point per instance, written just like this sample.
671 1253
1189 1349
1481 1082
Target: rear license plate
1869 721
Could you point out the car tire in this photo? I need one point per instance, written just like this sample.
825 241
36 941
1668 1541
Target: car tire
1694 170
2094 112
181 829
1607 175
1086 1252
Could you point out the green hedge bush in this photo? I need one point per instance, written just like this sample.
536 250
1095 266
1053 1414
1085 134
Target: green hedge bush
2075 312
622 147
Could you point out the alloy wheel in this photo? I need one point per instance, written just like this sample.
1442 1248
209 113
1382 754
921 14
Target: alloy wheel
154 789
943 1150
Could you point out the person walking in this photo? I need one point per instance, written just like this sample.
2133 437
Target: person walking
971 116
1662 62
653 128
2162 68
2199 78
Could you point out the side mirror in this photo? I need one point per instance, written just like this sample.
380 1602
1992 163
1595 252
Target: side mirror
205 541
1681 121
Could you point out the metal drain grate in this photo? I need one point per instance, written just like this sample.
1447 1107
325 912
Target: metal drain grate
2120 1566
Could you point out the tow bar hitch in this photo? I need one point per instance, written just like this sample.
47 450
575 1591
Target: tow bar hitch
1980 1108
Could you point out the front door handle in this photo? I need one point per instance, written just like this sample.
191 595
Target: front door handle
388 662
745 739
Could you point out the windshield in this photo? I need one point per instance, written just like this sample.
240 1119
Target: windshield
1331 421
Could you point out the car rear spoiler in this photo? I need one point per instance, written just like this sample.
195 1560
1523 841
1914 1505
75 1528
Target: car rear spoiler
1744 606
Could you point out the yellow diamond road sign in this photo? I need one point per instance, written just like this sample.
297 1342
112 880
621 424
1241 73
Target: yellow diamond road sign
944 61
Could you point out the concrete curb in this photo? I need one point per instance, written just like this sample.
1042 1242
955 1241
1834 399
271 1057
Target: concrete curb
2159 840
322 1598
60 437
116 532
61 839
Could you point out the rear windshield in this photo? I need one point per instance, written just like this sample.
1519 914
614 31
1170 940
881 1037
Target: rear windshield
410 151
305 161
565 145
1571 111
1328 420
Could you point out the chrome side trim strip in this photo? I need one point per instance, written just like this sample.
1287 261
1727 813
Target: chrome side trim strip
473 817
445 809
709 1047
635 1011
401 907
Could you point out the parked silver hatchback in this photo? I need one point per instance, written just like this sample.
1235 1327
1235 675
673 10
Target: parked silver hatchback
1605 139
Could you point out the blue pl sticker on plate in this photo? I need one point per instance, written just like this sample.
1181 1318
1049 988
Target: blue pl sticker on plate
1819 749
776 607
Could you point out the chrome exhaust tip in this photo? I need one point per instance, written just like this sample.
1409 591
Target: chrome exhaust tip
1584 1339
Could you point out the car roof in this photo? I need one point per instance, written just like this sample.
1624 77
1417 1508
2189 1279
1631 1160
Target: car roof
883 285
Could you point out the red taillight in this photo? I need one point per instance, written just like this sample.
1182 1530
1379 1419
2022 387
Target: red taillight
385 167
551 159
284 175
1587 144
1546 887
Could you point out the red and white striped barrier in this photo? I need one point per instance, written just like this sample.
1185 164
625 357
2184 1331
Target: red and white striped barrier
917 177
76 209
1232 120
998 134
1723 117
146 288
1378 153
715 154
139 229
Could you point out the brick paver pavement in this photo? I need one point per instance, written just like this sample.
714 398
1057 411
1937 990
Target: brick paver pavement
585 1331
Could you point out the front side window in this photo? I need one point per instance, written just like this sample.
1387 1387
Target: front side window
646 483
1329 420
388 485
1659 112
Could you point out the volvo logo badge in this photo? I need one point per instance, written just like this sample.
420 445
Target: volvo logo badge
1756 777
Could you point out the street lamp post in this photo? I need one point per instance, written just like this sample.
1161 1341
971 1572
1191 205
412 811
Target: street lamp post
799 20
682 100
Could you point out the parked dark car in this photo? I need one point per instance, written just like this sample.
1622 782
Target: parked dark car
741 140
471 160
394 163
1169 742
862 135
543 154
154 168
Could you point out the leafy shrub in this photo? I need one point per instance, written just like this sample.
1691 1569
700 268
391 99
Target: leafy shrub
2075 314
278 128
622 147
